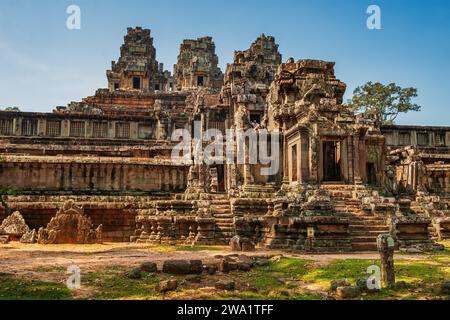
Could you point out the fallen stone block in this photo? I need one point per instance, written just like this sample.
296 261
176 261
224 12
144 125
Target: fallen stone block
347 292
14 226
149 267
134 274
225 285
183 267
167 285
4 239
339 283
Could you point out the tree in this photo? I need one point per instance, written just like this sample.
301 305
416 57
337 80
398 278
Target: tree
383 103
12 109
4 193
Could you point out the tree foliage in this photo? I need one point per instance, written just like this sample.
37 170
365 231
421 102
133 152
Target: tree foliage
383 103
12 109
4 193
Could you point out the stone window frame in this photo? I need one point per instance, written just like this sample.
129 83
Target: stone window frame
122 130
100 129
29 127
423 134
151 134
53 128
440 138
6 127
77 129
402 141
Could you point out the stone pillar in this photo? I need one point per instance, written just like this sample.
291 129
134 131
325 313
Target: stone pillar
356 159
386 247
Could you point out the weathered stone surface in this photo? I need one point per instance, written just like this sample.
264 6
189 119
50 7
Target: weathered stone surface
261 262
235 244
386 247
227 265
242 266
211 269
139 56
70 226
149 267
4 239
347 292
14 225
134 274
339 283
166 286
227 285
238 244
182 267
194 278
197 65
29 237
445 287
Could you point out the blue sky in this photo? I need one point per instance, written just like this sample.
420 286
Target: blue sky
43 64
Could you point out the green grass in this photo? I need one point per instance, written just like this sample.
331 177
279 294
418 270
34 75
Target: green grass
350 270
270 281
18 289
50 269
423 277
111 283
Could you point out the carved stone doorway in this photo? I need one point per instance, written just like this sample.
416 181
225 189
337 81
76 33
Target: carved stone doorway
332 161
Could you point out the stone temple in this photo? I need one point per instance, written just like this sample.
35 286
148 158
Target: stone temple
341 181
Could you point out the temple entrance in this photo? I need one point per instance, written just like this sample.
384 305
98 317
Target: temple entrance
332 161
371 173
221 178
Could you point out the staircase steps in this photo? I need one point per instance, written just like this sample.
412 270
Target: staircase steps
364 228
221 210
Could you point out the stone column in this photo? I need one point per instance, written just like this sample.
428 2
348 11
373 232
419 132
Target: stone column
386 247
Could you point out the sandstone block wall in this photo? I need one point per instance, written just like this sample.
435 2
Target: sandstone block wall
61 174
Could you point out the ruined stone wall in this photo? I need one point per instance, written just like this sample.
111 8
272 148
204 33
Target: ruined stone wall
69 174
116 213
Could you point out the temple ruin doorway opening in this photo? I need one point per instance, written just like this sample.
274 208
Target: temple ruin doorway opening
136 83
332 161
220 178
371 173
200 81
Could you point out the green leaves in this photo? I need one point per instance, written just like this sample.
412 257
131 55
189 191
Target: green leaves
5 192
383 103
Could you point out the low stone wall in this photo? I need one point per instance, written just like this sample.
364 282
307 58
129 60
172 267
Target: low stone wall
412 231
315 234
87 175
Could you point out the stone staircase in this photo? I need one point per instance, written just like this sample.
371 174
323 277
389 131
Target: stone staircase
221 210
364 227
